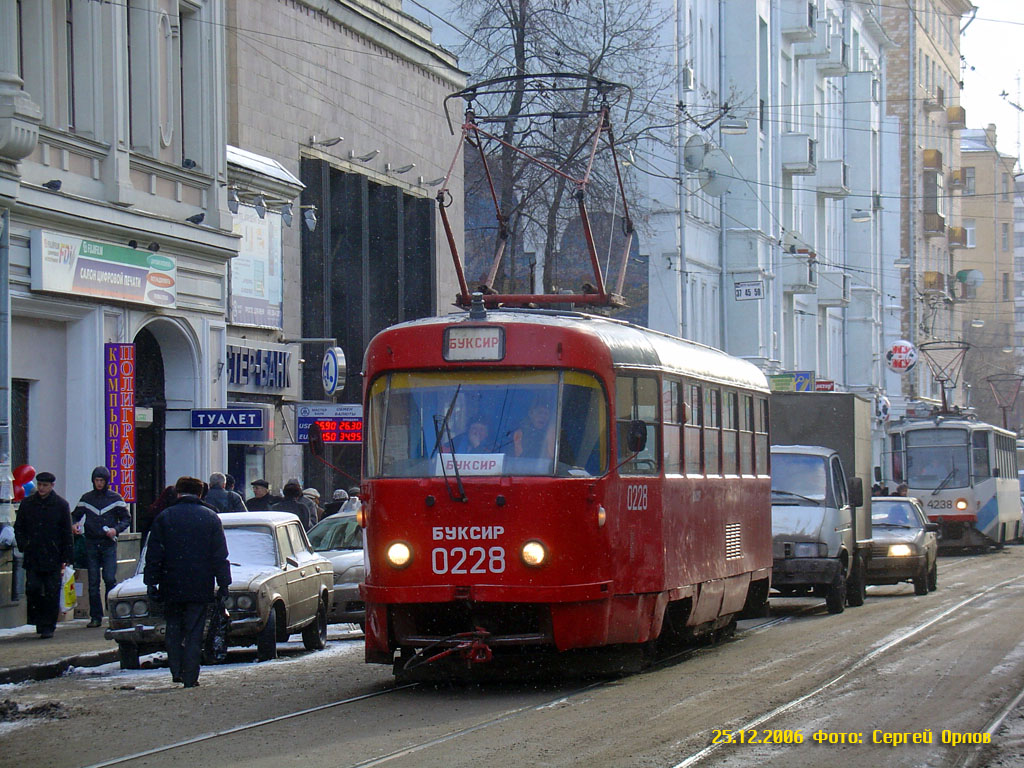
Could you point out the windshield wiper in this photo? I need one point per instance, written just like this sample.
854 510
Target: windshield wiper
445 427
794 495
944 482
894 525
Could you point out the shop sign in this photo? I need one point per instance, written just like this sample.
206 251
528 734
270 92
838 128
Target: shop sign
119 413
792 381
256 281
262 368
339 422
901 356
825 385
66 264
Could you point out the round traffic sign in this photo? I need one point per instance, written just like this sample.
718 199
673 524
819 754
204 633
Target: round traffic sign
332 372
901 356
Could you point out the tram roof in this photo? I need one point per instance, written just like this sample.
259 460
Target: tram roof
945 422
631 345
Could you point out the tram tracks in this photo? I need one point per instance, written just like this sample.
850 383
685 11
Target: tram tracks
566 695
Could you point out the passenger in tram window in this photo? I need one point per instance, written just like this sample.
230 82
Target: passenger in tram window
535 438
476 438
901 490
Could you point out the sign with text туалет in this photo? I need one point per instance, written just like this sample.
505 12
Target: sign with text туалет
67 264
227 418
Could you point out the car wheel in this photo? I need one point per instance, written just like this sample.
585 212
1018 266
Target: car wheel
933 577
266 640
921 580
128 654
857 584
835 598
314 634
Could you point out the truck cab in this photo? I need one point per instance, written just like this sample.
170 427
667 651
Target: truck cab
815 525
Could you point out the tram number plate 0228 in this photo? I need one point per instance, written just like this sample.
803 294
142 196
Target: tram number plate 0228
636 498
462 560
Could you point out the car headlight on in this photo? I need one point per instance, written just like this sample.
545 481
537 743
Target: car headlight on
245 602
961 504
140 608
534 554
123 610
900 550
399 555
810 549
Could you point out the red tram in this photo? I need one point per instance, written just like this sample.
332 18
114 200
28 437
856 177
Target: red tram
557 480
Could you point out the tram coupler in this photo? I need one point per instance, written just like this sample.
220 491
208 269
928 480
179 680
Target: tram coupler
471 648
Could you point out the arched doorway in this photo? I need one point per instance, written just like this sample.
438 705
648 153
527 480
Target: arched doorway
150 445
166 380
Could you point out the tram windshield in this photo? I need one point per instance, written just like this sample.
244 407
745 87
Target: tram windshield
487 423
937 458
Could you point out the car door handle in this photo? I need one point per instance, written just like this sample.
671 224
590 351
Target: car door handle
302 573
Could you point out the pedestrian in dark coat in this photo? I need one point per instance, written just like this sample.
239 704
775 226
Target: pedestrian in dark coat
336 503
262 499
187 554
43 531
167 497
103 515
220 498
297 504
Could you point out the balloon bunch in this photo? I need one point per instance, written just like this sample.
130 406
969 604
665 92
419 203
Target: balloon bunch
24 481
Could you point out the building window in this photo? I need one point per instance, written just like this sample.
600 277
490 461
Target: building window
1006 286
190 106
1018 242
969 227
968 181
1006 188
1005 236
19 422
69 53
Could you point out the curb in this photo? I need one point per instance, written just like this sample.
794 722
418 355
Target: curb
47 670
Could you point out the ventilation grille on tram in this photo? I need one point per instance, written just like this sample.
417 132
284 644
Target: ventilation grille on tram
733 541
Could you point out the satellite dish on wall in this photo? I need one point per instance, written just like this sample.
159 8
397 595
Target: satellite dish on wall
694 152
715 174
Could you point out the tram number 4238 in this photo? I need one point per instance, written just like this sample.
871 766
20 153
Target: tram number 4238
473 560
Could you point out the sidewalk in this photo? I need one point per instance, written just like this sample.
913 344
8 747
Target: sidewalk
23 656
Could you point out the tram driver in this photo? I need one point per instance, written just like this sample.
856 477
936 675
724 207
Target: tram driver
476 438
535 438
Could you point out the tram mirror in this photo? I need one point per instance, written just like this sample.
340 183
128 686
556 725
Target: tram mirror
315 440
636 438
878 474
855 490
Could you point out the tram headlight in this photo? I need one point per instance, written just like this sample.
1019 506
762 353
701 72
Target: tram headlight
534 554
361 514
900 550
399 555
961 505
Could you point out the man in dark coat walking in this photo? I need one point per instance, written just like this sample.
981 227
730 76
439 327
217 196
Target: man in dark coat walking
43 531
104 516
296 503
262 499
187 553
220 498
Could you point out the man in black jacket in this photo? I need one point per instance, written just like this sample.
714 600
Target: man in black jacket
186 553
262 499
220 498
296 503
103 515
43 531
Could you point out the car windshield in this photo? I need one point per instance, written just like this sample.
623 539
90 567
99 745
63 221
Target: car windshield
251 545
894 513
336 532
487 423
800 475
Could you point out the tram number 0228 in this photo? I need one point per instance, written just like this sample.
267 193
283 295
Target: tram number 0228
459 560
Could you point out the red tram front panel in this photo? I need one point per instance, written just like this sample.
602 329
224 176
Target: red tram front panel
615 547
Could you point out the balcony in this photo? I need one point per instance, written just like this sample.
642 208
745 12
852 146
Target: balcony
799 273
931 160
956 178
957 237
956 118
837 63
833 178
798 153
797 19
817 47
934 224
935 102
834 289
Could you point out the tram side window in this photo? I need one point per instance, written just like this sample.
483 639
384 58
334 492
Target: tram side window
692 447
730 460
761 435
712 429
673 408
583 438
636 398
897 458
746 437
979 455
